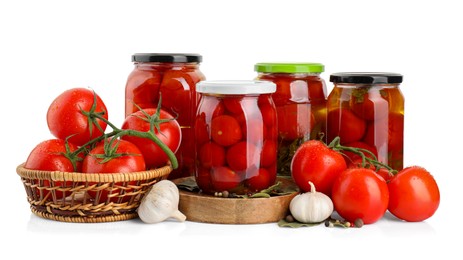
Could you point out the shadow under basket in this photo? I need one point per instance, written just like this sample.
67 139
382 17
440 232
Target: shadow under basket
88 197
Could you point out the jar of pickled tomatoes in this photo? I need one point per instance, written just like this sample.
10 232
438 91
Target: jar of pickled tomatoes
172 76
300 100
366 110
236 136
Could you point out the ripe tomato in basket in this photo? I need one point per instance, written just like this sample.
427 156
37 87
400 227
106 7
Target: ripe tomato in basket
66 116
49 155
117 157
169 133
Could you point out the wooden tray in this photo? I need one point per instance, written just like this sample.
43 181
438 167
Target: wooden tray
199 207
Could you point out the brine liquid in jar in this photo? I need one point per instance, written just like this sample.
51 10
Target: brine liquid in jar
300 100
366 110
236 135
171 77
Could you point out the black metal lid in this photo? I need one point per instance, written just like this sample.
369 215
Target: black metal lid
166 57
366 77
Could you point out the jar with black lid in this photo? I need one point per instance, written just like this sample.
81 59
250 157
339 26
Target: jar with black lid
366 110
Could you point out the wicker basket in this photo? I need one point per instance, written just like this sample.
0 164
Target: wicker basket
87 198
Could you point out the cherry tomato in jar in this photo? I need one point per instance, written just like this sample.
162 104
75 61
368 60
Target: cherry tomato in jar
346 125
269 153
66 116
223 178
295 121
368 104
211 155
414 194
142 90
233 105
169 133
260 179
359 193
225 130
242 156
315 162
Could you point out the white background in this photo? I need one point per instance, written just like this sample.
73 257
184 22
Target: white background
50 46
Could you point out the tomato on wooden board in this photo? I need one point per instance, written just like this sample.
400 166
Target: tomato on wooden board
49 156
259 179
211 155
223 178
359 193
65 117
225 130
242 156
346 125
315 162
170 134
414 194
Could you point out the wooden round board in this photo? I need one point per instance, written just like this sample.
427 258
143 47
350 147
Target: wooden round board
204 208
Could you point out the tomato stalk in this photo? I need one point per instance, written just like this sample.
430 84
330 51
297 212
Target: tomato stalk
116 132
373 160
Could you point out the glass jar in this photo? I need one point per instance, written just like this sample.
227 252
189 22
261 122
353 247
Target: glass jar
366 110
172 76
236 135
300 100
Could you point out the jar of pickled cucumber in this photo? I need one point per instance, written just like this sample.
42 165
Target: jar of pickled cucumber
366 110
235 136
300 100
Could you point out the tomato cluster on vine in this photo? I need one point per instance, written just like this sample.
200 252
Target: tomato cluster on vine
78 119
367 188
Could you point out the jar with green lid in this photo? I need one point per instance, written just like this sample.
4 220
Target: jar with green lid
300 101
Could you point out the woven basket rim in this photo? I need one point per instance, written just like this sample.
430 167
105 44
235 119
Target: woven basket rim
92 177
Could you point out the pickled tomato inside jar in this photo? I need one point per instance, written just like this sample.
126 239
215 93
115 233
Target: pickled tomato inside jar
236 136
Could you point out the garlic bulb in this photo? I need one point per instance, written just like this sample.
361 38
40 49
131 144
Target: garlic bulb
160 203
311 207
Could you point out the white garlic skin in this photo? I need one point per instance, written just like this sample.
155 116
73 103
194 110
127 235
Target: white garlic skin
311 207
160 203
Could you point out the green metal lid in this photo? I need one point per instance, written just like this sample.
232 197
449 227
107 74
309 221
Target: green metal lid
289 67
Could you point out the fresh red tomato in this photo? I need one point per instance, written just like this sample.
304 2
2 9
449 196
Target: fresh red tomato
260 180
269 153
242 156
169 133
295 121
65 116
126 158
315 162
211 154
414 194
223 178
49 156
352 157
360 193
225 130
346 125
370 105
